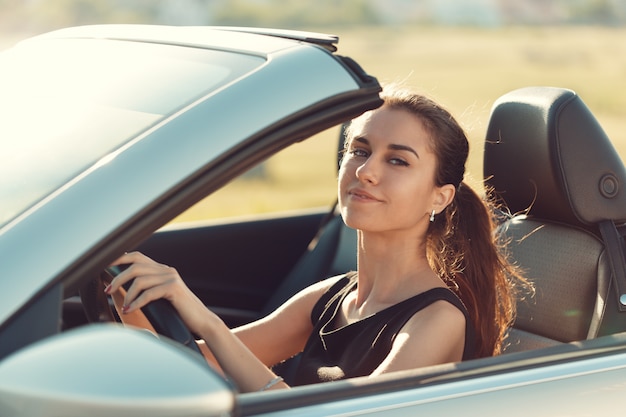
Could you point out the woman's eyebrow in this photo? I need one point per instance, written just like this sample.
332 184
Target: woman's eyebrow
393 146
403 148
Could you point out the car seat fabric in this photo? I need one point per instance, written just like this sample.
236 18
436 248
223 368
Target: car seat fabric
570 272
547 158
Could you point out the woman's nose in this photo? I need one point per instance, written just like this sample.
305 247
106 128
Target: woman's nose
368 171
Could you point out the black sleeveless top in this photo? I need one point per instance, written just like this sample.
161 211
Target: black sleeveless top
360 347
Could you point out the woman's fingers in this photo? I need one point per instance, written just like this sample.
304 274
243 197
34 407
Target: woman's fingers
134 302
133 258
150 280
139 265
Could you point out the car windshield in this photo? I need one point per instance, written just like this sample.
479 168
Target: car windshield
65 104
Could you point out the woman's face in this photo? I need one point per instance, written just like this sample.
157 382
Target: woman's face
386 179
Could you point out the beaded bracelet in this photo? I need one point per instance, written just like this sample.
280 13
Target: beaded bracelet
272 382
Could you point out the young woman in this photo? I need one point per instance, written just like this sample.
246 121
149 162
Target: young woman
432 283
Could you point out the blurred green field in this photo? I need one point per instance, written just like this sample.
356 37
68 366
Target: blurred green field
465 69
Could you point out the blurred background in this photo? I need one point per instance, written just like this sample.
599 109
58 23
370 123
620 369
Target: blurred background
33 16
462 53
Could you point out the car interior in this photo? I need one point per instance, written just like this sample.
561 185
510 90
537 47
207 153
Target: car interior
546 158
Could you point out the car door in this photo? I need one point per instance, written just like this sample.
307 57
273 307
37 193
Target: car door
573 380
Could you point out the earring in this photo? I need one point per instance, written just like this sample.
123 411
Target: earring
432 216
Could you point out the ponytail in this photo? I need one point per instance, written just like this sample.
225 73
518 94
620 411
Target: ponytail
465 252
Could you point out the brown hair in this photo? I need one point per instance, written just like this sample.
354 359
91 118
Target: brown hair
462 246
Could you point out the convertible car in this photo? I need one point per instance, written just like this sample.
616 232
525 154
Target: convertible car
110 132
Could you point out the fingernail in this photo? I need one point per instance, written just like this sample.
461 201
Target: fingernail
107 289
125 309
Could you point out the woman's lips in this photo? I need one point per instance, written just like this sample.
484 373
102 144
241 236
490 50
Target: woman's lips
362 195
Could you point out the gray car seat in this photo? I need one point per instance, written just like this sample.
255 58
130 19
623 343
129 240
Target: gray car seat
551 163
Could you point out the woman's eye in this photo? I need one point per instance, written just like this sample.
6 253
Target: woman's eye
359 152
398 161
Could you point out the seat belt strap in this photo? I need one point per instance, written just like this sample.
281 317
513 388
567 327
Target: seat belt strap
614 244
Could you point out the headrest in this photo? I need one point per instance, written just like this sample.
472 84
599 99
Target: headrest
546 153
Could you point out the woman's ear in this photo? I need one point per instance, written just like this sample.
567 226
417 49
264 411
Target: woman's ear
443 197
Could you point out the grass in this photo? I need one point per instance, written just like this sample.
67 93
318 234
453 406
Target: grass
301 176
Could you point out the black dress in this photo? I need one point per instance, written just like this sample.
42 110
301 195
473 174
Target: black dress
360 347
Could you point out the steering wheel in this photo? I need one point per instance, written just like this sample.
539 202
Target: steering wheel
158 316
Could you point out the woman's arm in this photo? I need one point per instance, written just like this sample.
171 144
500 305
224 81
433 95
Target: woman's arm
246 353
243 354
283 333
432 336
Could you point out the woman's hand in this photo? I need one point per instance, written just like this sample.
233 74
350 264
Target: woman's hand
151 281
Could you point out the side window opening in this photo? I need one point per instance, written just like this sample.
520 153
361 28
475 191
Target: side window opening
302 176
